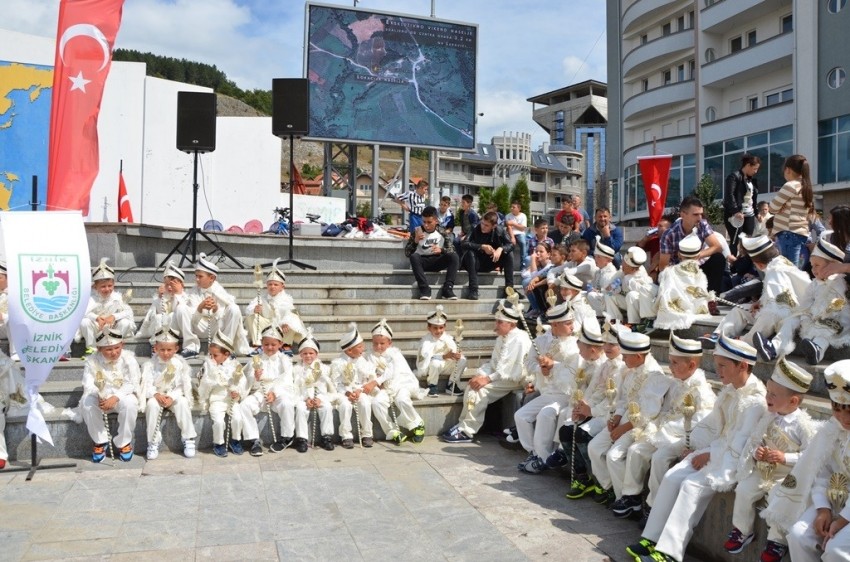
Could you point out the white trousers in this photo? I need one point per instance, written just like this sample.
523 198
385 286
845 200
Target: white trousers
537 423
254 326
346 411
181 321
736 321
661 461
230 324
218 410
437 367
638 463
406 415
679 505
471 419
127 410
637 306
325 418
283 405
596 300
88 329
606 454
748 493
802 542
4 453
182 413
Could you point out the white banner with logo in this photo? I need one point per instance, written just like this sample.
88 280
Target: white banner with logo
47 257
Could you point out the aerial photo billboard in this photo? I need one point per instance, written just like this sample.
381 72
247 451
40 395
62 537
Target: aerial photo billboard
382 78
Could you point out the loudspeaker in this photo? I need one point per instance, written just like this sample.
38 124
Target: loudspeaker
195 121
290 107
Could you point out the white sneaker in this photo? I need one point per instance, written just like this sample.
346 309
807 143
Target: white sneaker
189 448
153 451
15 357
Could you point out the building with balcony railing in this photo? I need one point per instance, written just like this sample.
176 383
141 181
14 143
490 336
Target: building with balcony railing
552 172
577 115
707 80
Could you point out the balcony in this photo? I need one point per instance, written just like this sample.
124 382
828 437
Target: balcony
769 117
538 186
642 12
751 63
646 102
718 17
647 56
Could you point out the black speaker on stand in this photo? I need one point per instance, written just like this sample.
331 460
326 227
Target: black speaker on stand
291 118
195 134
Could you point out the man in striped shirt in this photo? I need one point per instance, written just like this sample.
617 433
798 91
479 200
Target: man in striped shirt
414 202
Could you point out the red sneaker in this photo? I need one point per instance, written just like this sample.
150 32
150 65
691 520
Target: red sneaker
773 552
2 464
736 542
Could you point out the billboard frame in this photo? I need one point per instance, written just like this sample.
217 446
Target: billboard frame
371 142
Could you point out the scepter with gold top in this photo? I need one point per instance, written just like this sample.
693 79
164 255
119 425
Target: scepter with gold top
513 298
348 377
578 396
234 380
258 281
314 411
611 396
455 378
257 363
688 410
100 384
636 419
167 379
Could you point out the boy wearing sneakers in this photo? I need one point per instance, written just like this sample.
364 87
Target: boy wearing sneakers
640 400
557 345
167 385
349 372
682 288
316 392
822 319
272 388
718 441
812 501
634 294
663 441
573 293
395 386
106 309
111 383
439 355
774 447
222 387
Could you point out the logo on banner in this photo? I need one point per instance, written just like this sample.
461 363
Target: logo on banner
50 285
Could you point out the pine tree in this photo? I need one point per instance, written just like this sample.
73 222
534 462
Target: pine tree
485 195
706 191
520 193
502 198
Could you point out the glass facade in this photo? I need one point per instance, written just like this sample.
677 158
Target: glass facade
834 150
772 147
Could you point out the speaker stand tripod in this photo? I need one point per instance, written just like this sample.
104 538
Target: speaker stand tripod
292 259
190 239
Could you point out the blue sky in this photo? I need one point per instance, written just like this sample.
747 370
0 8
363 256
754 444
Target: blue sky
525 47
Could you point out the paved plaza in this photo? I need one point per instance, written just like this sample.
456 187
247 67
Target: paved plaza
414 502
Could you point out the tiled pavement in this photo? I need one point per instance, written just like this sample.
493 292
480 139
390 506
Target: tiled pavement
414 502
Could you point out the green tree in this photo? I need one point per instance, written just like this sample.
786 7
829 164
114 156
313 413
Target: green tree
520 193
364 210
706 191
419 153
309 171
502 198
485 195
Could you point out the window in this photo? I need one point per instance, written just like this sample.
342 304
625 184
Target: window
835 77
834 150
786 24
751 38
709 55
485 150
644 85
772 147
680 23
667 77
643 39
779 97
710 114
666 29
680 73
752 103
835 6
736 44
691 19
691 69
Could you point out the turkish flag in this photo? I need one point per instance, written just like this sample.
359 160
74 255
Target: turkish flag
655 172
296 182
125 213
84 41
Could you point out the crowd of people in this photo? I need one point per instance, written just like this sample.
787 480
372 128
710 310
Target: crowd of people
595 403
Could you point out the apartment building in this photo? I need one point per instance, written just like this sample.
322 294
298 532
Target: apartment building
552 171
708 80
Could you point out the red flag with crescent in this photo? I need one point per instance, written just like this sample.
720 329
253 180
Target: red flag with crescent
84 41
298 187
125 213
655 172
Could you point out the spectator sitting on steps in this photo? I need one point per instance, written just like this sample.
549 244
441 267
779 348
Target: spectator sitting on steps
487 248
431 249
